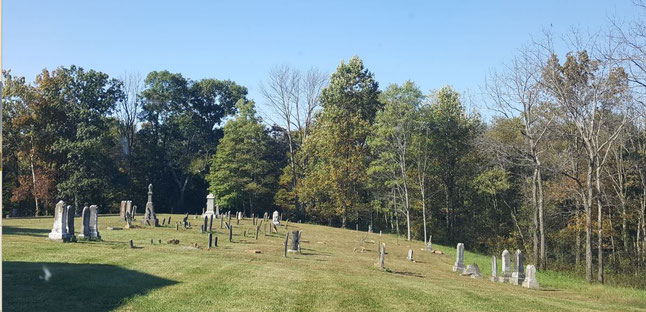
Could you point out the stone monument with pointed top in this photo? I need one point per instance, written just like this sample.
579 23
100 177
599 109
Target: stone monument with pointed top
59 230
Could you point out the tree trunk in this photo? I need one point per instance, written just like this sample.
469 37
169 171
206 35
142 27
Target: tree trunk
424 212
535 219
599 227
587 201
33 180
541 223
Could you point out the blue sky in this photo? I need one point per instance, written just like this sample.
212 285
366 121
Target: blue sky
432 43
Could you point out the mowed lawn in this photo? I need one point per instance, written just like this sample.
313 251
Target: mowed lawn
327 276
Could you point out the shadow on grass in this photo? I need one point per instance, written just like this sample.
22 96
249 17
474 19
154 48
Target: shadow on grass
72 287
12 230
407 273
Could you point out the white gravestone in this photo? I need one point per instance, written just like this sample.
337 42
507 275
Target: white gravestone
59 230
506 267
458 266
276 218
210 206
494 269
530 280
518 275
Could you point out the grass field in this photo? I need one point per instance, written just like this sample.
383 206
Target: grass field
327 276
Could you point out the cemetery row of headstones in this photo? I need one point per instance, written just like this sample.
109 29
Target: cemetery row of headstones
515 275
63 229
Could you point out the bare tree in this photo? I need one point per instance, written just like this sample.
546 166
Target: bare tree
517 92
294 97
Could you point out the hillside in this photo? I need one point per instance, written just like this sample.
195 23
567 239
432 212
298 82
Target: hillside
327 276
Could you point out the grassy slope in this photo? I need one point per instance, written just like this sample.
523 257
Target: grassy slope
107 275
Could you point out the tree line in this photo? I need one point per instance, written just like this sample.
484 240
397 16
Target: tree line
558 168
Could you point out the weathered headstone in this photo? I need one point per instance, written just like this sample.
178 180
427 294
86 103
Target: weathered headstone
211 223
221 222
230 233
458 266
210 240
129 206
59 230
530 280
92 217
518 275
369 228
128 220
134 212
169 220
473 271
257 231
210 206
122 210
276 218
216 241
185 220
85 222
163 221
206 224
506 267
429 244
131 244
295 245
150 215
70 223
410 255
494 269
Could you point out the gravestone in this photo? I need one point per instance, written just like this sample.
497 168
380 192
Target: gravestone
90 223
163 221
494 269
295 246
506 267
381 262
129 207
265 216
206 224
257 231
530 280
185 220
458 266
230 233
210 206
128 220
211 223
59 230
473 271
369 228
70 223
216 242
221 222
210 240
122 210
429 245
168 220
518 275
134 212
150 216
131 244
276 218
410 255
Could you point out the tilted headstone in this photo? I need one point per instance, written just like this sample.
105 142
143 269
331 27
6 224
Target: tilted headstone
210 206
150 216
458 266
530 280
518 275
506 267
275 218
382 256
295 245
410 255
59 230
473 271
429 245
494 269
70 223
163 221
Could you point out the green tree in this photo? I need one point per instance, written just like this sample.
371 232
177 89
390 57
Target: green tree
391 141
335 182
241 171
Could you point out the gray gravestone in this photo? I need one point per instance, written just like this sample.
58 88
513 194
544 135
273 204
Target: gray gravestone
295 245
211 223
458 266
286 242
494 269
506 267
150 216
382 256
70 223
429 245
530 280
59 230
94 222
518 275
410 255
210 206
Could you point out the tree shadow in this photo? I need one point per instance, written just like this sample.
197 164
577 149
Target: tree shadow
407 273
72 287
12 230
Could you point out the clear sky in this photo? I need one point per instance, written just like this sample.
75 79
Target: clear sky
433 43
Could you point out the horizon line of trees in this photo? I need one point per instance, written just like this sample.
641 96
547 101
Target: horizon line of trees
559 171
